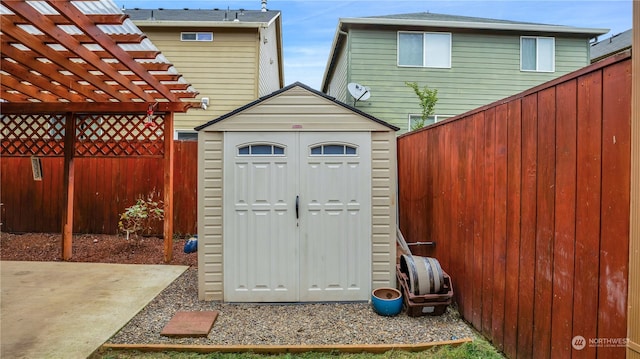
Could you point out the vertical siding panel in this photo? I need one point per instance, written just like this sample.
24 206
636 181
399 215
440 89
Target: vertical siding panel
514 173
614 243
545 224
488 222
528 225
476 272
588 173
565 202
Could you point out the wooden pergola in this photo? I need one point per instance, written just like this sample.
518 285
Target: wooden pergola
79 79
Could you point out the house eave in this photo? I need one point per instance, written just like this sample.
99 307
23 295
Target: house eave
203 24
517 27
328 69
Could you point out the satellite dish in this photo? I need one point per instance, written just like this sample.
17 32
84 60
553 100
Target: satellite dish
358 92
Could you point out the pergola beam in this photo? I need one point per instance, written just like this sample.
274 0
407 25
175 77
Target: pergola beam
44 24
51 72
107 43
93 107
51 54
24 74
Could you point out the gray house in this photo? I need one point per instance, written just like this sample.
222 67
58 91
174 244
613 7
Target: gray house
470 61
610 46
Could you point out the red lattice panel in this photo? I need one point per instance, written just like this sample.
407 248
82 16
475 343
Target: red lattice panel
27 135
120 135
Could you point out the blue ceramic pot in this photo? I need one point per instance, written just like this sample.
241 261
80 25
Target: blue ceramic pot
387 301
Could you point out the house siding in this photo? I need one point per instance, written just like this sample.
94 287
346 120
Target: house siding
338 87
383 205
269 72
210 275
478 62
224 70
297 110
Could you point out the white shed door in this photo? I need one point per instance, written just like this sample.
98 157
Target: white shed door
297 215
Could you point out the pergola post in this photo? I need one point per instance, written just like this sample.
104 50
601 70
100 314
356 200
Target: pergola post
168 187
68 190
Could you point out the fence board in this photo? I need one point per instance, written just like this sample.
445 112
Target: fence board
500 225
488 223
589 135
455 180
545 224
468 212
528 228
614 245
563 259
476 271
514 158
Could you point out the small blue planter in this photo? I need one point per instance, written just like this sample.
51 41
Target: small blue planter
387 301
191 245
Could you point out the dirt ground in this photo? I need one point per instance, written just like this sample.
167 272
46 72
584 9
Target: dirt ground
98 248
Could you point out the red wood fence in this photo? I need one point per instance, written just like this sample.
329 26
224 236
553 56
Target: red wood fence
527 200
104 187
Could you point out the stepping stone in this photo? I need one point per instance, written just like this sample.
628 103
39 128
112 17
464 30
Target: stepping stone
190 324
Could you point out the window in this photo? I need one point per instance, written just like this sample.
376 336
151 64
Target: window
413 119
196 36
424 49
186 136
333 150
537 54
261 150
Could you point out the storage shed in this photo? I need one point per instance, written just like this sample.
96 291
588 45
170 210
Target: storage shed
296 201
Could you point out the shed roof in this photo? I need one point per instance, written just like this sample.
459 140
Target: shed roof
288 88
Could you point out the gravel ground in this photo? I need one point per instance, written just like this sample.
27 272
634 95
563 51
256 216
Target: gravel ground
251 324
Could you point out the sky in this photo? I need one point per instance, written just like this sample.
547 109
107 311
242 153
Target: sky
309 26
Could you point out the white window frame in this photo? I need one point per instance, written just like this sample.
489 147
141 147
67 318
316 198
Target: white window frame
197 34
329 144
436 118
425 35
177 134
250 146
553 54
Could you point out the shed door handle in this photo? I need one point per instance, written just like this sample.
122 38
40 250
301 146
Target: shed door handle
297 206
